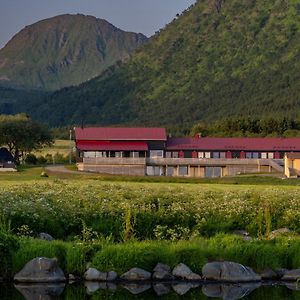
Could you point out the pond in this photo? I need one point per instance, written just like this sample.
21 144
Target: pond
149 291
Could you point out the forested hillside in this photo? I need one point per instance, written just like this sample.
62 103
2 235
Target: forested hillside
218 59
63 51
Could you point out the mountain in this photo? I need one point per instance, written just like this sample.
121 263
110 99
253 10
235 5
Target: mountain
219 58
63 51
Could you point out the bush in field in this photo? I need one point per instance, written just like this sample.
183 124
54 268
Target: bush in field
31 159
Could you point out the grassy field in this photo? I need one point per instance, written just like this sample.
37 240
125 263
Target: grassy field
119 222
59 146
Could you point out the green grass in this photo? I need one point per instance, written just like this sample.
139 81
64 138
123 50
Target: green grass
26 173
106 256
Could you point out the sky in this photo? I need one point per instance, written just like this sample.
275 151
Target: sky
145 16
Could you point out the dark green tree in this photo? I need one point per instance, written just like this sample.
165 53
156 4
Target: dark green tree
22 135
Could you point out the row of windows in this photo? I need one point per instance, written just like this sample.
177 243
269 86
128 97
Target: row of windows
160 154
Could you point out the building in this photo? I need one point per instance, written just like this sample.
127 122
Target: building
148 151
292 165
6 160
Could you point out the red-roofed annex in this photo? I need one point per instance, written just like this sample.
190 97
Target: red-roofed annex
148 151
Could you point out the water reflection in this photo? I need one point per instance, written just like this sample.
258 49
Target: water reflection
41 291
95 291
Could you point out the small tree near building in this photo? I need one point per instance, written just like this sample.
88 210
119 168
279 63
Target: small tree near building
22 135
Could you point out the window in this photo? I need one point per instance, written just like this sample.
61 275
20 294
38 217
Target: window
183 170
263 155
200 155
207 154
156 153
170 171
119 154
175 155
89 154
216 154
255 155
134 154
168 154
271 155
248 155
212 172
222 154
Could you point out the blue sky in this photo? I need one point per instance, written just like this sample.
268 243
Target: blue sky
145 16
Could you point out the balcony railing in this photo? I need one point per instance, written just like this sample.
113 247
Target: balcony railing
115 161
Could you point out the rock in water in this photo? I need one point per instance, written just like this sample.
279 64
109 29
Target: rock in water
111 276
162 272
136 274
41 291
136 288
182 288
93 274
41 269
269 274
229 292
229 271
161 289
182 271
292 275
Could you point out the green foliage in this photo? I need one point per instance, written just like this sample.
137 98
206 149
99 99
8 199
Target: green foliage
246 126
241 59
8 244
22 135
31 159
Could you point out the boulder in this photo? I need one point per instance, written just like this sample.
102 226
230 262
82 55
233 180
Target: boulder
112 276
269 274
229 292
182 271
162 272
243 233
93 274
161 289
72 278
292 275
41 291
46 237
136 274
279 232
41 269
229 272
280 272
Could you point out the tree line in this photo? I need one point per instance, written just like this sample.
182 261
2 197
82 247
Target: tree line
249 127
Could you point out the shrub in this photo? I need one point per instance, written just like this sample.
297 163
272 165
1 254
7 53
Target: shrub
31 159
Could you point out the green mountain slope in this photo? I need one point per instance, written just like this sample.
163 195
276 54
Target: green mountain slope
64 50
219 58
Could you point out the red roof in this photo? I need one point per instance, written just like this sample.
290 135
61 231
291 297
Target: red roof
111 146
120 134
228 144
